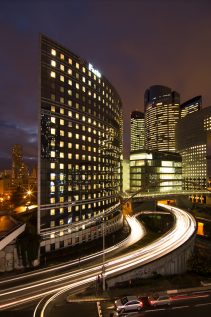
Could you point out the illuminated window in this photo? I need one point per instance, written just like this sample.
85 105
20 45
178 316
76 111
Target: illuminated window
61 122
53 119
53 108
61 154
61 222
61 132
62 67
77 65
61 199
69 71
70 61
61 166
53 176
69 134
77 86
70 82
53 63
62 78
52 223
52 165
62 56
53 131
53 74
52 212
53 52
52 153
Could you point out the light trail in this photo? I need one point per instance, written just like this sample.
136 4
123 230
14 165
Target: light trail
183 229
137 232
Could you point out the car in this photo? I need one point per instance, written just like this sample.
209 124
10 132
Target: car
145 301
159 300
128 303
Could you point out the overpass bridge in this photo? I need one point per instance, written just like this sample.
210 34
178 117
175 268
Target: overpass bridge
141 195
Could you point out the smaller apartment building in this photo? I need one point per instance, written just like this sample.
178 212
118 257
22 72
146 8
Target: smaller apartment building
154 171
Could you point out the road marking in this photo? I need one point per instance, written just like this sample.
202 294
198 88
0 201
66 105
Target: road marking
179 307
154 310
204 304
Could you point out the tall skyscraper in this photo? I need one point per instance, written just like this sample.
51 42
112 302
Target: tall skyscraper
137 131
80 145
20 171
190 106
161 116
193 142
17 160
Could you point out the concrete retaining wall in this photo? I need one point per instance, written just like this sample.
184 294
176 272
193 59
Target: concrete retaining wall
170 264
9 260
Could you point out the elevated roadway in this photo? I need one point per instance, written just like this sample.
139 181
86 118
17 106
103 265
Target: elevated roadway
27 289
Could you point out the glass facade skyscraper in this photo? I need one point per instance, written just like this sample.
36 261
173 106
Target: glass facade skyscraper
161 116
137 131
80 140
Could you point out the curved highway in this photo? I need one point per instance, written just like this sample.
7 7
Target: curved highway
183 229
32 285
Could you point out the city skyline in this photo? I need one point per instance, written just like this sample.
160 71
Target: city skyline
138 48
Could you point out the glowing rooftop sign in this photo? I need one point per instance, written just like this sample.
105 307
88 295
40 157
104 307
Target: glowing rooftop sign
95 71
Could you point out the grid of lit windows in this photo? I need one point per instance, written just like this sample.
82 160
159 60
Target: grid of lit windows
161 117
81 139
193 143
190 106
137 133
155 171
194 166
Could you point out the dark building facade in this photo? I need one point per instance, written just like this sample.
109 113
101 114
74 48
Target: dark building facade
161 116
80 140
190 106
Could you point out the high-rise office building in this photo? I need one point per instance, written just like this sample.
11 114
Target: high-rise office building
161 117
20 171
193 142
190 106
137 131
17 160
80 145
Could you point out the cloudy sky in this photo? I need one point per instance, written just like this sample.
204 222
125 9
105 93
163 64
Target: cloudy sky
134 43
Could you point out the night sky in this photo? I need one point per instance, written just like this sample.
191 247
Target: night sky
134 43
